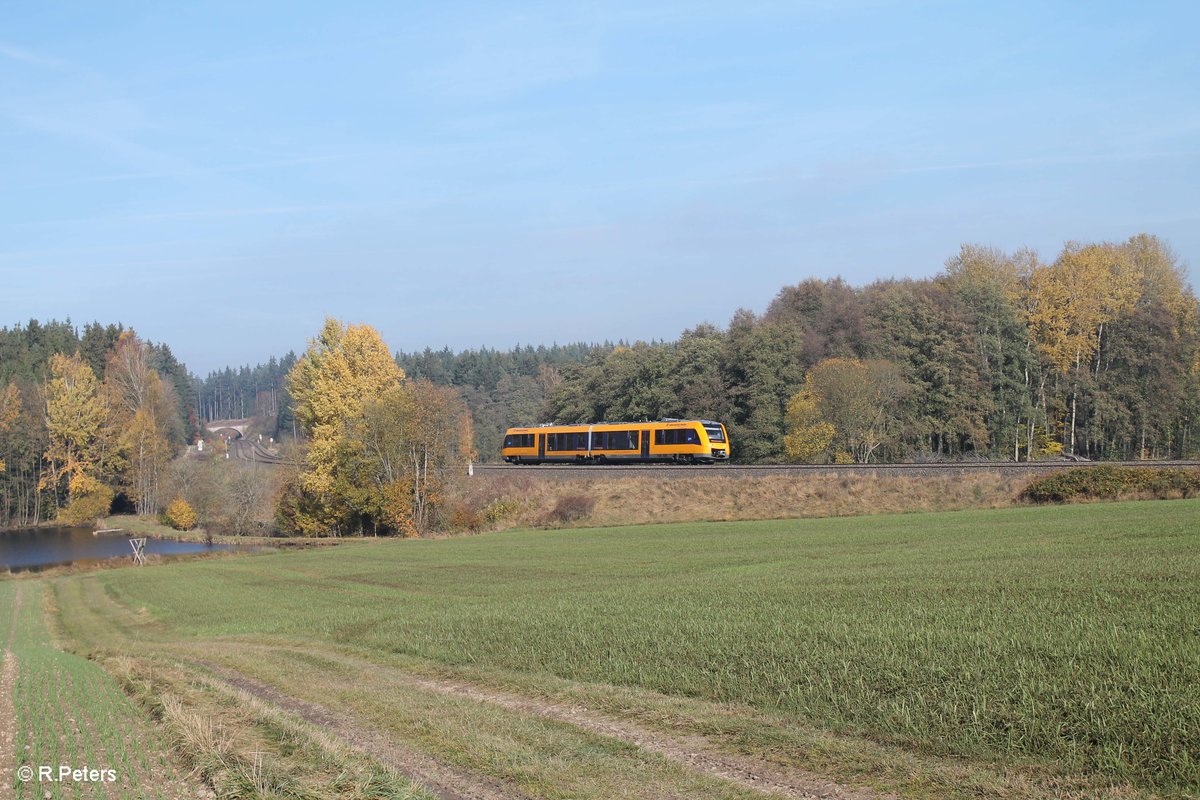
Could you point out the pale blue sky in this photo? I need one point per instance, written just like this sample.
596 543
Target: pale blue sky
221 176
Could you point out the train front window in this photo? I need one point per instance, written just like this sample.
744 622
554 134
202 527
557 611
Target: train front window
715 434
508 441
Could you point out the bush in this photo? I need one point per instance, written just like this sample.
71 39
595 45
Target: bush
572 507
463 517
87 507
179 515
1113 483
501 509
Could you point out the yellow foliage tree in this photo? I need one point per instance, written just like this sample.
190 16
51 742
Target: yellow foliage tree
412 437
180 515
343 368
1069 303
808 437
10 412
143 414
75 417
850 404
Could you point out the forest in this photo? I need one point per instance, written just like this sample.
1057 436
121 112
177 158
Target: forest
999 356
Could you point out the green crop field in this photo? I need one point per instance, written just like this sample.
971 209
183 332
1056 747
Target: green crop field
1017 652
69 712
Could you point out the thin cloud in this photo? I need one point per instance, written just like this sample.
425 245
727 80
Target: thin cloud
33 59
221 169
198 214
1049 161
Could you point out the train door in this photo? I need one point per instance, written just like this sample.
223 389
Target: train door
645 444
541 437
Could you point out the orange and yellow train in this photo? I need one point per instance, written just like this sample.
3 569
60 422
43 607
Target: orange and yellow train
684 441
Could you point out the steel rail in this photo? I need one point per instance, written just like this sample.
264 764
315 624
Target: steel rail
745 470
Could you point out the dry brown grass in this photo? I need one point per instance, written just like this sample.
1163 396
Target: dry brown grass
530 501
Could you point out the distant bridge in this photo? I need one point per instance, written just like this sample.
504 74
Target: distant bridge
228 428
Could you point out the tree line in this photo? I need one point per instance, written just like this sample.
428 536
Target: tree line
258 391
1000 356
85 417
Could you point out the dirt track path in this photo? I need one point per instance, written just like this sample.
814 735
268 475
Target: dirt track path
8 709
692 752
446 782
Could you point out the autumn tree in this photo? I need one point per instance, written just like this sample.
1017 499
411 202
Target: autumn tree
828 314
1069 304
1140 384
10 416
414 438
75 417
808 437
987 283
144 414
343 369
859 400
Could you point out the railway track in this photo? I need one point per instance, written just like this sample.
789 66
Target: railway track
552 471
255 452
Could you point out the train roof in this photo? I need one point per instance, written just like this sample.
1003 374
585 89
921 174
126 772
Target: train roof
668 420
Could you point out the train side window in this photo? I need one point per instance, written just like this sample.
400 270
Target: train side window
600 440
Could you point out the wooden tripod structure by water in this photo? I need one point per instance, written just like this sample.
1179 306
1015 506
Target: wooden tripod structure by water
139 550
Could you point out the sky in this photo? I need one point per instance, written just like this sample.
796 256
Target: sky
223 176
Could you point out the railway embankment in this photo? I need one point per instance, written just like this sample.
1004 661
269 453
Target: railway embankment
518 498
509 497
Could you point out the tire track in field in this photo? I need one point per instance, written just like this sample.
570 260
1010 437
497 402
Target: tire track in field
446 782
8 707
693 752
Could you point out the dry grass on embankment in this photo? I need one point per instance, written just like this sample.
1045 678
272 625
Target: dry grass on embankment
521 500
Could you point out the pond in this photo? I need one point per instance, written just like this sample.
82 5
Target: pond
38 548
